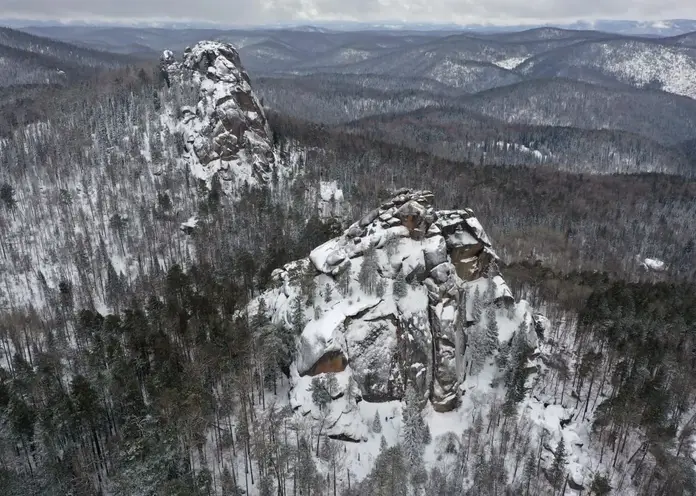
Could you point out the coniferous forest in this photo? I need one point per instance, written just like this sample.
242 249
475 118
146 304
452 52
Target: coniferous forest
137 358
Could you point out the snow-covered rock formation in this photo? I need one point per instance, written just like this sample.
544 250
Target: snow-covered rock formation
223 124
391 302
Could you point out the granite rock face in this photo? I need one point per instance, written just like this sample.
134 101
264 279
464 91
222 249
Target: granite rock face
411 326
224 128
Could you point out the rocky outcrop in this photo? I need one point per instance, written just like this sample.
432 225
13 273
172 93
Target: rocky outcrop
393 304
223 125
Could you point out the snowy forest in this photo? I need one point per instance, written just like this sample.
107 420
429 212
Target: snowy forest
141 355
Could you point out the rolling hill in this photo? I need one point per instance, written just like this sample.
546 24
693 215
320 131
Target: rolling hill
638 62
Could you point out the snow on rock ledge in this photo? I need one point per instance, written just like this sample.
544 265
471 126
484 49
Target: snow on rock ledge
224 127
411 325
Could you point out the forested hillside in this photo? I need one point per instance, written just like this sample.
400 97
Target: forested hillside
27 59
201 293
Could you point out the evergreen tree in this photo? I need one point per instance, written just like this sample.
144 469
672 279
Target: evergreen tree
491 287
320 394
377 423
380 289
298 316
492 341
400 287
529 474
412 428
462 317
327 293
600 485
308 479
308 283
515 373
557 473
391 246
478 349
214 194
344 280
477 306
331 384
325 450
7 196
503 358
427 436
368 275
389 474
266 485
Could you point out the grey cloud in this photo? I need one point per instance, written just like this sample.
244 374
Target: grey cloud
263 11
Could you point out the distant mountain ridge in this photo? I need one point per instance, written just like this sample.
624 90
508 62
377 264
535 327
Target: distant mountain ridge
665 27
29 59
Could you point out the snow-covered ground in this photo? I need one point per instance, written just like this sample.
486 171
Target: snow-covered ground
510 63
654 264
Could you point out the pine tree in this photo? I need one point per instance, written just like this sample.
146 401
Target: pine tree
529 473
266 486
600 485
260 319
400 287
503 358
389 475
515 373
377 423
215 194
391 246
491 287
306 470
297 316
380 289
519 342
559 461
368 275
477 306
427 436
331 385
7 196
462 317
344 280
492 341
320 394
477 345
308 283
412 428
327 293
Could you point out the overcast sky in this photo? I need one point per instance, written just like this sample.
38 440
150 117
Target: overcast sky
271 11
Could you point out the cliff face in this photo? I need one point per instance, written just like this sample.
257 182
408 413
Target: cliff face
393 301
223 125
